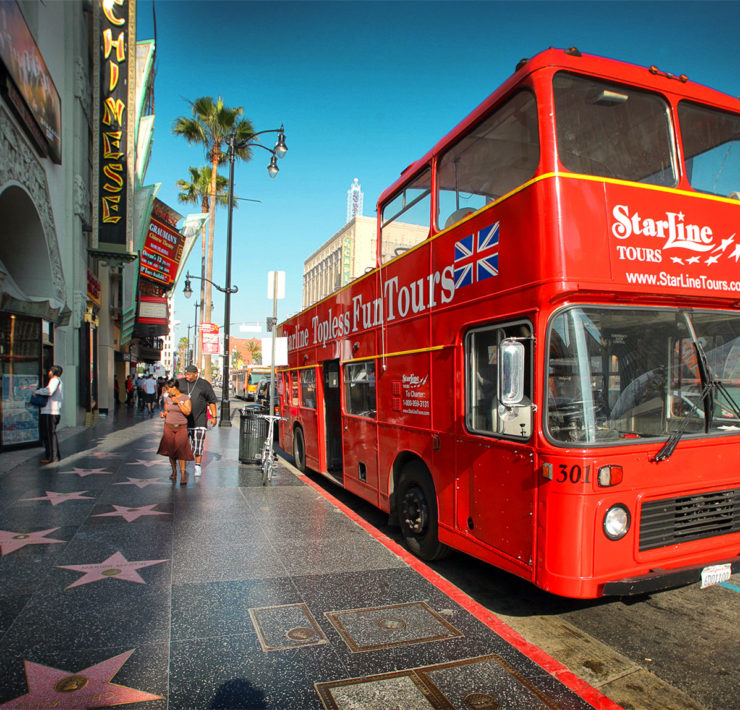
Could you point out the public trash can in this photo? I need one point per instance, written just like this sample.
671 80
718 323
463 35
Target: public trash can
252 434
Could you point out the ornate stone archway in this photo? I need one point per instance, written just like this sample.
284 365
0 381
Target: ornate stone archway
21 168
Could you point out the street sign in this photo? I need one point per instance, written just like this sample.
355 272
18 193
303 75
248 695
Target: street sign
280 284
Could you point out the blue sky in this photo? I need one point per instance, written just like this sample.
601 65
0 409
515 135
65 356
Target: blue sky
364 88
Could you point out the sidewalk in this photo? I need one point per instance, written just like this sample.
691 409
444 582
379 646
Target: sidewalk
117 587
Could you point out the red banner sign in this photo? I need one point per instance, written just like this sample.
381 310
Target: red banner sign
161 254
209 339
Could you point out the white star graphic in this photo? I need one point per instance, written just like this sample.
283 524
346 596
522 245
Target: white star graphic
725 243
712 260
735 254
677 260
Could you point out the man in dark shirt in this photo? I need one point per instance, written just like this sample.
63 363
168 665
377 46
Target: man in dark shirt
203 400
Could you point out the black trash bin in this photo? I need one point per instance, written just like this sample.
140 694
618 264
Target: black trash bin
252 434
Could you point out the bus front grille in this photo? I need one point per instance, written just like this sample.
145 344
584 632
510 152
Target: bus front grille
674 520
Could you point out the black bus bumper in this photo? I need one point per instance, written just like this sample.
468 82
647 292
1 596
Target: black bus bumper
659 579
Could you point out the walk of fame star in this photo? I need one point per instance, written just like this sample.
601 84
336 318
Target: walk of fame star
142 482
82 472
115 567
139 462
105 455
11 541
130 514
56 498
89 688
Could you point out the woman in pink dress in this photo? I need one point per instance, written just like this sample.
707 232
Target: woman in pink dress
175 443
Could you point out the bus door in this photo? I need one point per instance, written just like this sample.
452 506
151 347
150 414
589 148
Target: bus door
333 418
496 453
360 429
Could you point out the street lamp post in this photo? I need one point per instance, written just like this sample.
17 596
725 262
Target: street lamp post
188 291
234 145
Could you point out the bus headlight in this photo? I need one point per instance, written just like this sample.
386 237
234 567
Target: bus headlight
616 522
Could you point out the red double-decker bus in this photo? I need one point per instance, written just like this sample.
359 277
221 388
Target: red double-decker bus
543 369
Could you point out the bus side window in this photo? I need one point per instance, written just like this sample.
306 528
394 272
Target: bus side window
359 389
308 388
484 413
406 217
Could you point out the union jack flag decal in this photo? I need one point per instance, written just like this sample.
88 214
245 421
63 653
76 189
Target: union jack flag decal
476 256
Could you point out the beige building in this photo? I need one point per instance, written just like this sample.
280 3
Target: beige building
351 252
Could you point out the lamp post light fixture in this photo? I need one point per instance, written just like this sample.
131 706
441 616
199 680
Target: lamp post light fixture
234 146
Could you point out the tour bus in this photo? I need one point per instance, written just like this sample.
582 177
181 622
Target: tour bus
245 381
543 368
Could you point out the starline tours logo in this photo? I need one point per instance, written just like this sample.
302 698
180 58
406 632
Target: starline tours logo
676 233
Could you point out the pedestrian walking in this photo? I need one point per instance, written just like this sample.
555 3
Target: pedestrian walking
130 391
49 414
203 400
140 397
175 442
150 393
116 393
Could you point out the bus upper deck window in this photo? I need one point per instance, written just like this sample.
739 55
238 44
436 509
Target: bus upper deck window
495 156
406 217
711 146
613 131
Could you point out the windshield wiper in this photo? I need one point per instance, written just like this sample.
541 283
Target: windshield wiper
675 436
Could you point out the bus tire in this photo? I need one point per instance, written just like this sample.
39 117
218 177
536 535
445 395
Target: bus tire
417 513
299 450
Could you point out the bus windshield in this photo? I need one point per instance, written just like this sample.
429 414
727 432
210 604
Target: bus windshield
621 374
613 131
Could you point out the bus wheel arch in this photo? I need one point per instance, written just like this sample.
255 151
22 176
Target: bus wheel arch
417 515
299 449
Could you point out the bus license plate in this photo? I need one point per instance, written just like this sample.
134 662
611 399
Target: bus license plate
715 574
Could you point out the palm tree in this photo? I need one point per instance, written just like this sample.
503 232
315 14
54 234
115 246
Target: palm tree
255 350
199 188
197 191
211 125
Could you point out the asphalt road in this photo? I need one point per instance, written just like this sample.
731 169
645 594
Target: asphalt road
673 650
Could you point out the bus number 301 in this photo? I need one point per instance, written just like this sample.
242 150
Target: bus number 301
574 474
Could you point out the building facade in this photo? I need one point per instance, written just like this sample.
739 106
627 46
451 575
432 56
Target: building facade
351 252
76 121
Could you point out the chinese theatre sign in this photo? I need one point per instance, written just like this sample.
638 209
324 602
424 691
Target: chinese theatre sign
115 114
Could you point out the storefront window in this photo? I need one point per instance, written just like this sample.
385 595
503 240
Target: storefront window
20 360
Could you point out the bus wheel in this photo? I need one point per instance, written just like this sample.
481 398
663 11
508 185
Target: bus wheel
417 513
299 450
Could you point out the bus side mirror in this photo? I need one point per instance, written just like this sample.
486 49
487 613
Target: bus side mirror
511 372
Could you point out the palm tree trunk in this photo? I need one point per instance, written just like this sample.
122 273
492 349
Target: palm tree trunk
209 260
